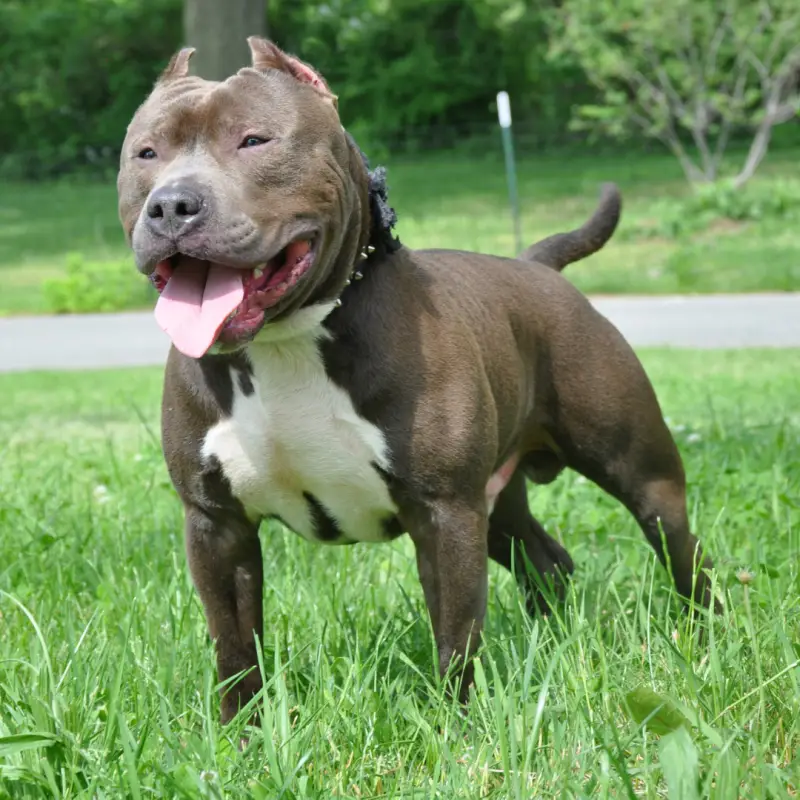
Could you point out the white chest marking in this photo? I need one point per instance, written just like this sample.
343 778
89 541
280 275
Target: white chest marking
296 441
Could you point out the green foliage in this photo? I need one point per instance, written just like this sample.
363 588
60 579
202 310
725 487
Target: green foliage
680 764
777 200
410 74
72 72
96 286
658 712
688 73
678 754
403 66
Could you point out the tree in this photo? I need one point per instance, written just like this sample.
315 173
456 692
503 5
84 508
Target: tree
219 30
689 73
425 73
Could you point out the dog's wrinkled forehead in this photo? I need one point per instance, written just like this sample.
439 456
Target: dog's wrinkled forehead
191 107
274 93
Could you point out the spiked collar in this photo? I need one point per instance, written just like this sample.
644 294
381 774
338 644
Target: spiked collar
381 239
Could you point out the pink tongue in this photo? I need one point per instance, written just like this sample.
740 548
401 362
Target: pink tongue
196 302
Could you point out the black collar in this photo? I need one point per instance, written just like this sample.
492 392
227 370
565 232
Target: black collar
382 216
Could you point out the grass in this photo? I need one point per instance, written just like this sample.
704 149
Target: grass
460 202
106 682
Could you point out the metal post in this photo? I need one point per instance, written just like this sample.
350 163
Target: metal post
504 116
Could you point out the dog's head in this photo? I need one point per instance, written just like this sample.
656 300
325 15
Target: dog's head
243 200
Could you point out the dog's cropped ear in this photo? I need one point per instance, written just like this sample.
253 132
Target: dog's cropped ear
178 66
267 55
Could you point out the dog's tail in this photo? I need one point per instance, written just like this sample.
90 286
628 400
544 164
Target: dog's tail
560 249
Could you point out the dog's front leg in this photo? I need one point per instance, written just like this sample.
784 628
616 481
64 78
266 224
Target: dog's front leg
451 544
225 562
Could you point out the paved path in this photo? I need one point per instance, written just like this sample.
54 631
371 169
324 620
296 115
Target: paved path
134 339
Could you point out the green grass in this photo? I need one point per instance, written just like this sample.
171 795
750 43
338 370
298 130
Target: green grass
461 202
106 670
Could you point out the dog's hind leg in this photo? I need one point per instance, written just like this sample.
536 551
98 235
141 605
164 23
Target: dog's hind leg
652 486
518 541
610 428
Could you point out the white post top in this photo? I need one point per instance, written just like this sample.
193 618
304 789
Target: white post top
504 109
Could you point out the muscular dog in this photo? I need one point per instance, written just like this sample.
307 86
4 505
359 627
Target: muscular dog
326 376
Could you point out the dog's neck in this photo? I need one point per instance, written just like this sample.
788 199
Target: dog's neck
378 217
370 229
382 217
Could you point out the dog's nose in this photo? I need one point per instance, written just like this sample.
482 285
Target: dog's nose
173 210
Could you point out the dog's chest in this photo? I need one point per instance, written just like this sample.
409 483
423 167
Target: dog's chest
295 448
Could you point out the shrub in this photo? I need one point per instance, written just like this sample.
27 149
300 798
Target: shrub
777 199
97 286
763 200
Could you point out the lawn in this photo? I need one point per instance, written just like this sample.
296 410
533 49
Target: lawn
461 202
106 678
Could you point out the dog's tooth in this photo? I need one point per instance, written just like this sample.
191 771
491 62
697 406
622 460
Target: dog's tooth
338 302
362 256
258 272
370 249
358 275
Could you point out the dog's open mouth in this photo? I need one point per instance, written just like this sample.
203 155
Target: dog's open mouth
202 301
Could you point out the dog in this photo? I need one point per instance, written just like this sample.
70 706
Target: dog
324 375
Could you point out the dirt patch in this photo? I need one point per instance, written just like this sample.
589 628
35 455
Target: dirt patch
722 226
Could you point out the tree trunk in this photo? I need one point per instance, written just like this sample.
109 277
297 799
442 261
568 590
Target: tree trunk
691 171
219 30
758 149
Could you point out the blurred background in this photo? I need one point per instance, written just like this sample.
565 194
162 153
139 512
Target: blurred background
690 106
107 685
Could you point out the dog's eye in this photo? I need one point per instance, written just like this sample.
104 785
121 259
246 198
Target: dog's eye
252 141
147 154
